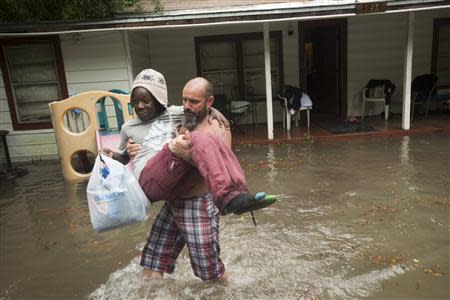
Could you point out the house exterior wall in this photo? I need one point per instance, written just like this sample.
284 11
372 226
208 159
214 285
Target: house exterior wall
5 118
376 50
25 144
98 61
95 61
173 54
139 51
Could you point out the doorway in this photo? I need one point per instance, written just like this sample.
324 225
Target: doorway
323 64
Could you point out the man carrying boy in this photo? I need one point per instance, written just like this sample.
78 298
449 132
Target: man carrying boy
149 98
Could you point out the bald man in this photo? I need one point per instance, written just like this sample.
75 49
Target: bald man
192 218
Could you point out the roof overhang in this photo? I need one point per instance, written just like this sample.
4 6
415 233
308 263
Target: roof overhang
315 9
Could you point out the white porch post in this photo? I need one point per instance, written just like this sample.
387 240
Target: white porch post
268 82
407 74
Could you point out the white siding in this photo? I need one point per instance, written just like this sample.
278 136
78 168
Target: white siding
95 62
40 145
5 118
290 54
376 49
139 51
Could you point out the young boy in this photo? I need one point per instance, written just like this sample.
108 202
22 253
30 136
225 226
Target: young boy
164 176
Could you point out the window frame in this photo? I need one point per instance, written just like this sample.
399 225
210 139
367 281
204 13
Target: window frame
55 42
436 32
239 38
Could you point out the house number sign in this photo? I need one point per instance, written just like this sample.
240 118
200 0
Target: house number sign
370 7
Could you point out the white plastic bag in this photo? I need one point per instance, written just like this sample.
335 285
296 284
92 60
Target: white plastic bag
114 195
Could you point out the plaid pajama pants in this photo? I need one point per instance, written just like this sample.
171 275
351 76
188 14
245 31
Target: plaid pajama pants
193 222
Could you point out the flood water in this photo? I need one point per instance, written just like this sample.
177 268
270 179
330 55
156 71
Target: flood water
357 219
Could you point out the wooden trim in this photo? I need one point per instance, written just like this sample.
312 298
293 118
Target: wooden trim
435 44
370 7
60 69
239 66
8 88
343 68
235 36
301 57
281 60
341 24
54 40
197 56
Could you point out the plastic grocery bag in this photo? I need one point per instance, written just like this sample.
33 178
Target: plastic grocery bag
114 195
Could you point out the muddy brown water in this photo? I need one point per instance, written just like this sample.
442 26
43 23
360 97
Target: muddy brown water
358 219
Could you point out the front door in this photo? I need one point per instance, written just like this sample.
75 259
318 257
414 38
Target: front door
322 68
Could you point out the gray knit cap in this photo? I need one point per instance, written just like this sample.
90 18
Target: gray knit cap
154 82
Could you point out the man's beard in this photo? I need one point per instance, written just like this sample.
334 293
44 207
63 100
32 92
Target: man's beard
191 119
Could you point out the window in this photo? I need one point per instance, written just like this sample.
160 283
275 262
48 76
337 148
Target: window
441 52
235 64
219 65
33 74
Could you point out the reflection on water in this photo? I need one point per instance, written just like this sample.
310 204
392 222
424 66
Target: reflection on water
356 219
272 172
404 151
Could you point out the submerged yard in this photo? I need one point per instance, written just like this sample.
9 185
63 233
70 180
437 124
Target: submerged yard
358 219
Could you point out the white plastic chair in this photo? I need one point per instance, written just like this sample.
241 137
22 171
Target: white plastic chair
376 94
287 117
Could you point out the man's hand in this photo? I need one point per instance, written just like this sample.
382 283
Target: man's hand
181 146
214 114
132 148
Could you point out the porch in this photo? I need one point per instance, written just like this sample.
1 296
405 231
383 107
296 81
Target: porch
248 52
376 125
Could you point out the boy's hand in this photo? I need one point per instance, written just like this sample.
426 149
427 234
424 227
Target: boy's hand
214 114
133 149
106 151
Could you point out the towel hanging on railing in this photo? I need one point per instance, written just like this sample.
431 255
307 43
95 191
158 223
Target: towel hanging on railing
296 98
